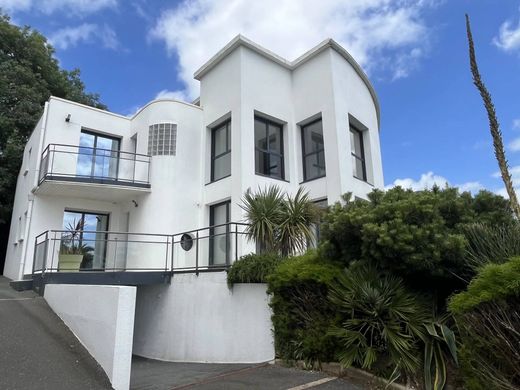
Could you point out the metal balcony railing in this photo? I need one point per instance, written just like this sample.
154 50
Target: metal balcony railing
94 165
211 248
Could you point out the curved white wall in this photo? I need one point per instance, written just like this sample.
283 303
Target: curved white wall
198 319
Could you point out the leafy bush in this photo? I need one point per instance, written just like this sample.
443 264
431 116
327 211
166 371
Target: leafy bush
302 313
488 320
252 268
380 320
415 235
493 283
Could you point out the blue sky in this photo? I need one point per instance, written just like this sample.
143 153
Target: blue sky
434 127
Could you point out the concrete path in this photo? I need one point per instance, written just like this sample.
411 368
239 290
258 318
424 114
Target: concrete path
38 351
155 375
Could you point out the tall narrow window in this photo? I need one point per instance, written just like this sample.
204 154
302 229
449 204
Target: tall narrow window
313 150
219 236
269 148
358 154
98 156
221 151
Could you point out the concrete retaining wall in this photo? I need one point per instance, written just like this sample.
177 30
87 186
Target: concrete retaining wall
102 318
198 319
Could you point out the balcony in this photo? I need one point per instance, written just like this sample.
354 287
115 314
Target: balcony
93 173
107 257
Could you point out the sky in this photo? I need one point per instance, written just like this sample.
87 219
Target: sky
434 128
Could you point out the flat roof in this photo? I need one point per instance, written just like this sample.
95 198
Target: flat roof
240 40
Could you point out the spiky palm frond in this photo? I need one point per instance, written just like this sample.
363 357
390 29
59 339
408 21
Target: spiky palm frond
264 214
383 319
298 214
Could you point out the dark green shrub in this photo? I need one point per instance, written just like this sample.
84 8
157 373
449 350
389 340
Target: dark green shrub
252 268
302 313
415 235
381 322
488 320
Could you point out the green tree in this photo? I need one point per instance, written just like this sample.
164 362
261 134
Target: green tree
29 75
415 235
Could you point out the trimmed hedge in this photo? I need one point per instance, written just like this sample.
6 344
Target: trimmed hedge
252 268
302 314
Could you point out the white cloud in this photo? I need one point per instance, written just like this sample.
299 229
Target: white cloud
429 179
508 38
76 7
514 145
176 95
380 34
15 5
86 32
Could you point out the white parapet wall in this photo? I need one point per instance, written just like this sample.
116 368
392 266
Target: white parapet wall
102 318
199 319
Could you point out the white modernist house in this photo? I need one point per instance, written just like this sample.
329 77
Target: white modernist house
158 193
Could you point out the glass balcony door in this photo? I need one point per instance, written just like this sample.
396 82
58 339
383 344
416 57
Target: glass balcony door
98 156
84 241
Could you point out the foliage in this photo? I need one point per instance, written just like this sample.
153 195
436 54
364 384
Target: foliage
279 222
494 282
302 314
381 322
29 74
491 243
494 127
415 235
71 240
252 268
488 320
439 346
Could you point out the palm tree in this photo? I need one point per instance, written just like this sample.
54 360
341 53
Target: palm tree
494 127
278 222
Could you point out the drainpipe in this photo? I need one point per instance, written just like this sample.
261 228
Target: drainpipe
38 155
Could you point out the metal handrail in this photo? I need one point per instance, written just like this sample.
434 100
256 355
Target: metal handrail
169 242
48 169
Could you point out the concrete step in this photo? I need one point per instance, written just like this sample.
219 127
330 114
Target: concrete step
21 285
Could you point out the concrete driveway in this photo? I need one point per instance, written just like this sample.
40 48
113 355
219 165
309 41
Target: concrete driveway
155 375
38 351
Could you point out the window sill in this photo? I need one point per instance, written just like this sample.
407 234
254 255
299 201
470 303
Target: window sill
314 178
364 181
214 181
272 177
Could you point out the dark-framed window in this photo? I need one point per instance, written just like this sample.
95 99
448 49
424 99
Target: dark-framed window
221 151
269 148
357 147
219 236
98 155
313 150
321 205
85 233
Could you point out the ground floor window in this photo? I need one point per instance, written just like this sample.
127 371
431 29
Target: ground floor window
83 241
219 240
316 228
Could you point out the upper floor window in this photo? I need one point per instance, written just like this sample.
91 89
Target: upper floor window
221 151
98 155
269 148
162 139
313 150
358 154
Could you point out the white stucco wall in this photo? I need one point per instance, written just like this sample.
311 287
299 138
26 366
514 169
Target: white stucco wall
102 318
243 82
198 319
